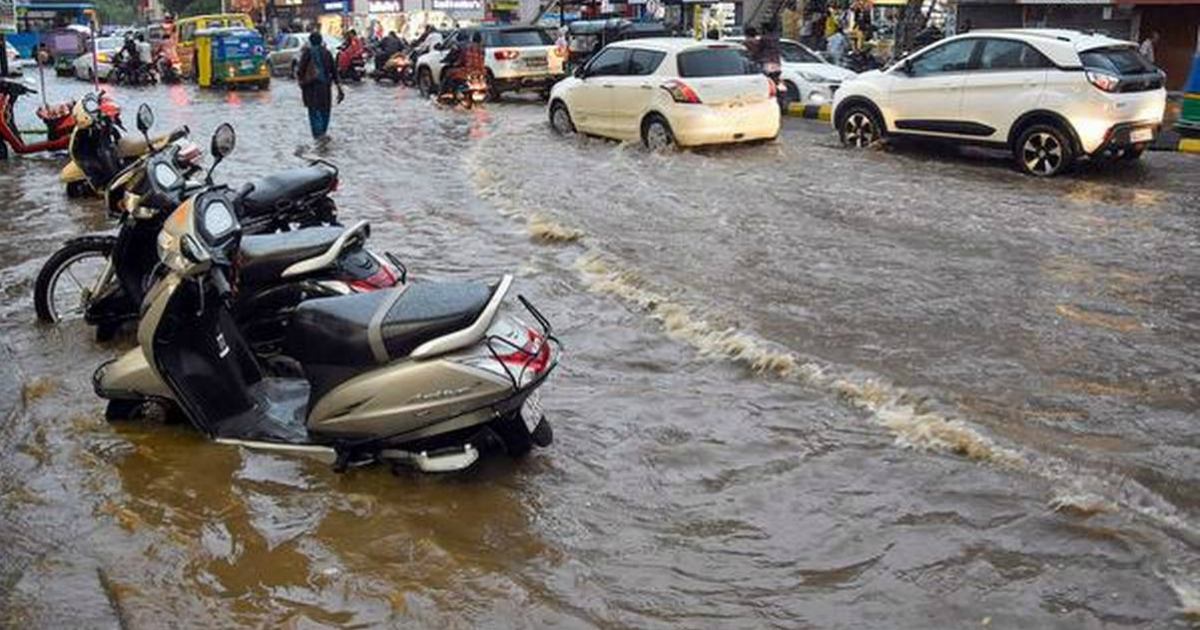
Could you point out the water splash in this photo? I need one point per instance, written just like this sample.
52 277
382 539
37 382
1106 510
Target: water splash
547 230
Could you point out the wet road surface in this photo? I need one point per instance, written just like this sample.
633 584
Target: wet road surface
805 388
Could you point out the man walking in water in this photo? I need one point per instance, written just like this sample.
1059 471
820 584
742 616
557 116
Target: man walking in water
318 74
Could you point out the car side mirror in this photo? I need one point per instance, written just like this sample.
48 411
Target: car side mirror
581 72
906 66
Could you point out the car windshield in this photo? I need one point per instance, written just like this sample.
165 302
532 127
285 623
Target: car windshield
528 37
109 43
1121 60
715 62
795 53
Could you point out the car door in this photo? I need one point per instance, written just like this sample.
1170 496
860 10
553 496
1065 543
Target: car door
926 91
633 92
592 100
1007 82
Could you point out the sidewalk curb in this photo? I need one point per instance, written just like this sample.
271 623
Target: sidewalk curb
812 112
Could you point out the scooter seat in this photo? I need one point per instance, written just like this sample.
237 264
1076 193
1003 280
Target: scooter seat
375 328
263 258
275 191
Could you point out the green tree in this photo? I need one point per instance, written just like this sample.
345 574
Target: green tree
184 8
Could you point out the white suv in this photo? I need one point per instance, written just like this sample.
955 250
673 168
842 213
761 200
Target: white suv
1049 96
517 58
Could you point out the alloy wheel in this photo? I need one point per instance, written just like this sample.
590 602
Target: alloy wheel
1042 153
859 130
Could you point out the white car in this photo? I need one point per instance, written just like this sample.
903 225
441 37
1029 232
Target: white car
106 49
668 91
1049 96
517 58
809 79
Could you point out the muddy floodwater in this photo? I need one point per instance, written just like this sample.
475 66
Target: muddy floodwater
803 387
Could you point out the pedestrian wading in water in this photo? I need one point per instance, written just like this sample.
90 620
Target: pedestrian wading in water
318 76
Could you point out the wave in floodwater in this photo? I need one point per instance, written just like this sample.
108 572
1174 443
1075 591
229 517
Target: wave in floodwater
914 421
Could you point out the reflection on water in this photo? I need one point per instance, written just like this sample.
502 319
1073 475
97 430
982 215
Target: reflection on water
805 388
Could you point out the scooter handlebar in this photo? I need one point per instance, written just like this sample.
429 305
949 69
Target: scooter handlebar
220 282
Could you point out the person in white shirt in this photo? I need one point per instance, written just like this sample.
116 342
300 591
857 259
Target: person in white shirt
1147 47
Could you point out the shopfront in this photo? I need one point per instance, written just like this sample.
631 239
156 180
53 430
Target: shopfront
334 18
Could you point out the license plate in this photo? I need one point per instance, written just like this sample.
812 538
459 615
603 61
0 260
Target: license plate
536 62
531 411
246 65
1141 135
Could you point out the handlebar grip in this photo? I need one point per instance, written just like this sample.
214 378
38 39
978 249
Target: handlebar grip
179 133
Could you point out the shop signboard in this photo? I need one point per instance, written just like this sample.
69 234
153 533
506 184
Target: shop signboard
460 9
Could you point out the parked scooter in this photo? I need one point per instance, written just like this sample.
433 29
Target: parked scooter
97 149
278 270
57 118
397 69
425 374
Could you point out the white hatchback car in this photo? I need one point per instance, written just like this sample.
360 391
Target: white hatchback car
809 79
516 57
1049 96
666 92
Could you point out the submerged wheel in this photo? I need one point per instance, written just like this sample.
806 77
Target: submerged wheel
1133 154
514 435
80 263
657 135
1043 151
77 189
425 82
560 119
117 410
860 128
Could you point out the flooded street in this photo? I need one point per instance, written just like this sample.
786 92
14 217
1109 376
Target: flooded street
803 387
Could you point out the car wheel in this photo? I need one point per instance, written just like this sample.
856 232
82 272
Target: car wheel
657 135
560 119
295 69
493 94
1043 151
859 127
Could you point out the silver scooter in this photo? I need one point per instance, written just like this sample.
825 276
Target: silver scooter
426 374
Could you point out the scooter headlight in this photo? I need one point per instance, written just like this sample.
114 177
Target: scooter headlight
218 220
165 177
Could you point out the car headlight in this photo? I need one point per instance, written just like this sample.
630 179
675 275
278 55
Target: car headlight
165 176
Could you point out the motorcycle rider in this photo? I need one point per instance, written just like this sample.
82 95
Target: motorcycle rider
388 46
462 61
130 56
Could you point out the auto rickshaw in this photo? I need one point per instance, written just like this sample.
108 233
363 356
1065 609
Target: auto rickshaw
230 57
1189 117
585 38
66 45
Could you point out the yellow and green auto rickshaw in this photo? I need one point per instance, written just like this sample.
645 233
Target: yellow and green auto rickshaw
230 57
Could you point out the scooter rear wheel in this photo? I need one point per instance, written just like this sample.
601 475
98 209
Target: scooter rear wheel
512 432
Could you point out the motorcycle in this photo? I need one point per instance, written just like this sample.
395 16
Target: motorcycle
279 270
397 69
130 71
465 92
169 69
57 118
425 374
351 63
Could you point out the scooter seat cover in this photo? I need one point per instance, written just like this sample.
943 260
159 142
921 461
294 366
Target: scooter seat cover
264 257
375 328
279 190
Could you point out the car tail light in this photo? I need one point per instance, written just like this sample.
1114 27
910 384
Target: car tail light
504 55
1104 80
681 92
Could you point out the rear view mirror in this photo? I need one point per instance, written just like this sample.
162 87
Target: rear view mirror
581 72
145 119
224 141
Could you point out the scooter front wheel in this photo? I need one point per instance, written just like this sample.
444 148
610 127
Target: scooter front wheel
71 278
